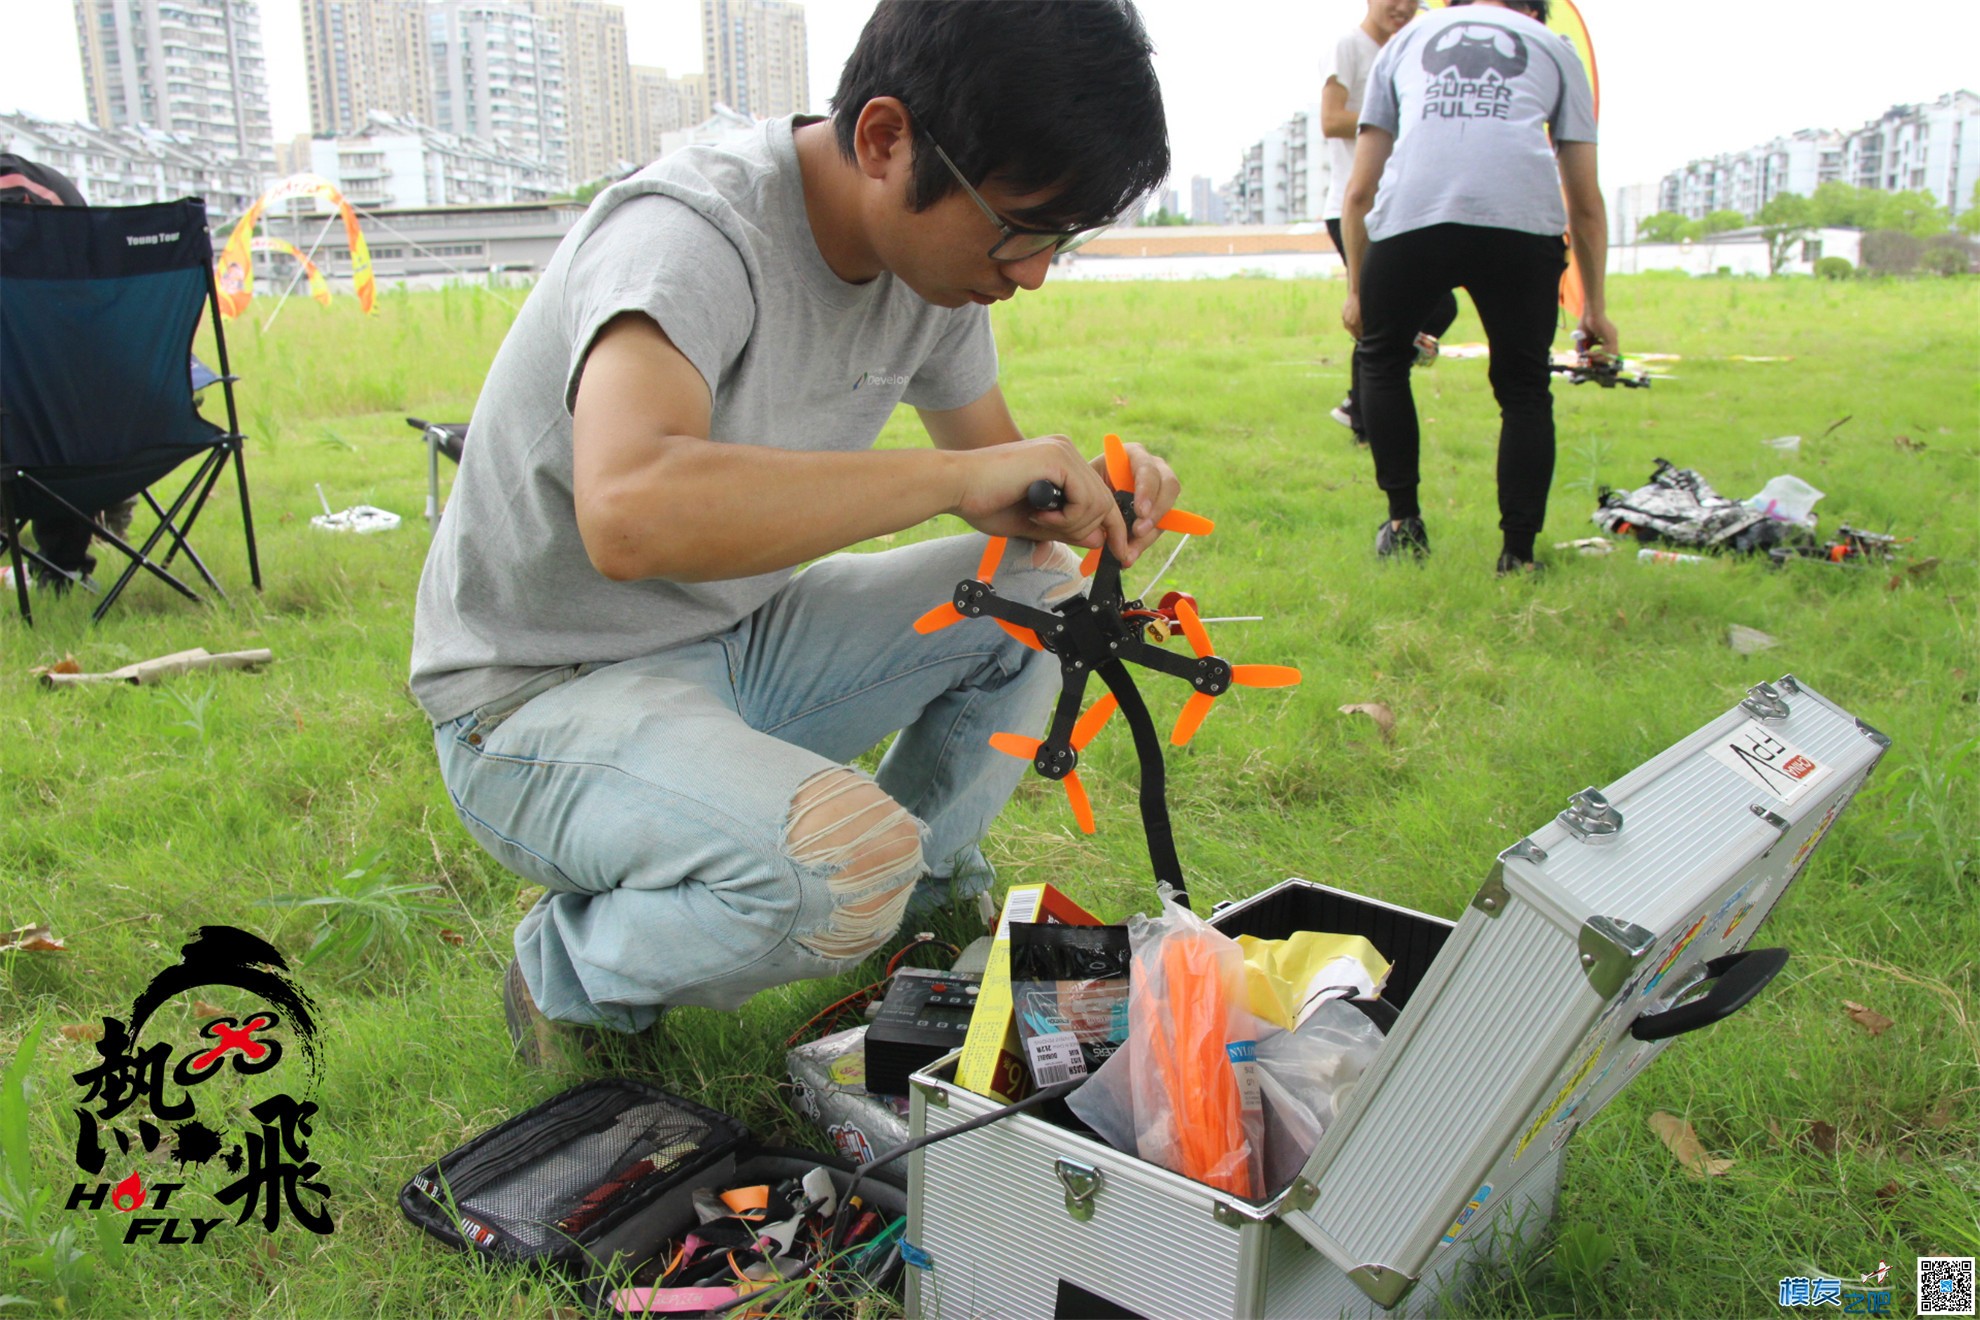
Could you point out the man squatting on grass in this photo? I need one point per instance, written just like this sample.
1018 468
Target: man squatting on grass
636 703
1456 183
1340 120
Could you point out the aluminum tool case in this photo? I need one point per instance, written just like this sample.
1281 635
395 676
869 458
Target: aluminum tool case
1517 1025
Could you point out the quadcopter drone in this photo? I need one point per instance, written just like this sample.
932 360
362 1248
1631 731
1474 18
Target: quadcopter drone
1102 632
1851 545
1604 371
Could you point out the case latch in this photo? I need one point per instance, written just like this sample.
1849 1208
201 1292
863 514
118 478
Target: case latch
1765 702
1082 1184
1590 818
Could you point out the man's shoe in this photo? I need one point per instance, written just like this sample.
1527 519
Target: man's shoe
1426 350
1513 566
1344 413
1407 536
539 1042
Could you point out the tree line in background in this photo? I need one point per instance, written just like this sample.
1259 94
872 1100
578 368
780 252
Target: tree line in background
1903 232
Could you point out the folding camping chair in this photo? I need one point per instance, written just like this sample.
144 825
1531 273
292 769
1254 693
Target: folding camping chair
447 438
98 306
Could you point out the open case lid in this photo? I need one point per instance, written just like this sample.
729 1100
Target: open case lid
1544 1002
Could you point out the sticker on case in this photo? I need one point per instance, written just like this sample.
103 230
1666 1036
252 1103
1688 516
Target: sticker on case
1738 917
1771 762
1568 1088
1466 1215
1672 956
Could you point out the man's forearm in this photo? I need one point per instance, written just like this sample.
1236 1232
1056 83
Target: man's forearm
1588 235
696 510
1354 237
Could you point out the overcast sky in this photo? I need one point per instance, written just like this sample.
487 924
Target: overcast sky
1680 78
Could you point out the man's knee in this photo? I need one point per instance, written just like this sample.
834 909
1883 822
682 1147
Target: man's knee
1061 561
843 824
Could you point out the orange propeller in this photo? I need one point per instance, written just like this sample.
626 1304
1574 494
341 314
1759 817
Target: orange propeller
1199 703
1120 475
1026 749
946 613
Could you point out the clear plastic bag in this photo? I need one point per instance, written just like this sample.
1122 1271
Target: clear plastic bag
1787 499
1306 1077
1188 1073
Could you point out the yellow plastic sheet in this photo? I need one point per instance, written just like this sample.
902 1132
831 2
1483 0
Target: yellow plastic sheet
1288 978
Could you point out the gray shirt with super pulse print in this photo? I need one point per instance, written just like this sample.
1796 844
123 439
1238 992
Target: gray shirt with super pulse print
1469 94
714 245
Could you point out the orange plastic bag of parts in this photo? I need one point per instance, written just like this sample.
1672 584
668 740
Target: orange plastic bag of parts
1193 1039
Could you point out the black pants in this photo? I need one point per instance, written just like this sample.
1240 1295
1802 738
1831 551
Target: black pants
1442 313
1514 280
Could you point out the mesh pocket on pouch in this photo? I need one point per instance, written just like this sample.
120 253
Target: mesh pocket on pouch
551 1181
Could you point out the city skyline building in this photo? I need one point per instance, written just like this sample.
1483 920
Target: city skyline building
396 162
600 117
192 69
662 105
131 166
1931 146
754 56
365 55
498 76
1284 175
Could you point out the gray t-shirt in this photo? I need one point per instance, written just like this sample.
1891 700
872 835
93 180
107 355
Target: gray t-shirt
1354 56
1469 94
713 244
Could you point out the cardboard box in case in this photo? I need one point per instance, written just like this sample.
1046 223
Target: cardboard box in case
1597 939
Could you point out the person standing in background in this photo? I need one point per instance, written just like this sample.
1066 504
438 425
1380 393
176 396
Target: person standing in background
1340 115
1474 125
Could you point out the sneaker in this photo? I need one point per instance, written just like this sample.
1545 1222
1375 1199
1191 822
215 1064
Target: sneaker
1393 538
1426 350
1513 566
1344 413
539 1041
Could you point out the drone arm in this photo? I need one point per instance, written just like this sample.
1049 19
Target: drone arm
1154 789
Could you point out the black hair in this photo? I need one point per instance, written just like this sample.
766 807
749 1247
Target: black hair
1534 8
1038 93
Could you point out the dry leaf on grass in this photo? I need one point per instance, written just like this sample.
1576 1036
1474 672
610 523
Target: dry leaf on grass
1889 1192
34 938
203 1009
66 665
1385 719
1822 1136
1683 1143
1906 442
1871 1021
83 1031
453 937
1942 1116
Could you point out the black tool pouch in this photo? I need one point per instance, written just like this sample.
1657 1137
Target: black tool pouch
581 1178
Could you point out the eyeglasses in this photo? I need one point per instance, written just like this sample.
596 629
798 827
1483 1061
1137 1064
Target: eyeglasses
1018 242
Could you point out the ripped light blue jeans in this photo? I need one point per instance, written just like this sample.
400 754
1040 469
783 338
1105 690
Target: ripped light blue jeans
692 815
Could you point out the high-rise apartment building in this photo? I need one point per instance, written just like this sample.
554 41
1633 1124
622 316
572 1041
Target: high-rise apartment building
1284 177
599 113
188 67
365 55
664 105
1932 147
753 52
498 75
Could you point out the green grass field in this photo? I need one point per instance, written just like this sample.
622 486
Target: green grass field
129 817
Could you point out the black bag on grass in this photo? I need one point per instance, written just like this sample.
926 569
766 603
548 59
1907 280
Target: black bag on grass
580 1178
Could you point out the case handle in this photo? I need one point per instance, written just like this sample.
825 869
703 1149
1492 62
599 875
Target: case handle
1736 978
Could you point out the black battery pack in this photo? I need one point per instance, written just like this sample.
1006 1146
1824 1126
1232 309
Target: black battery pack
924 1016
